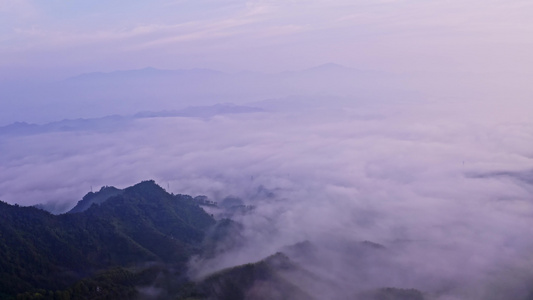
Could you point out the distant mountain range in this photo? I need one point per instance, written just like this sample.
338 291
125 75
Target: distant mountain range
202 111
127 92
197 73
210 85
115 122
135 243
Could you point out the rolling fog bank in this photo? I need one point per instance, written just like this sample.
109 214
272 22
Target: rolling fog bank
444 187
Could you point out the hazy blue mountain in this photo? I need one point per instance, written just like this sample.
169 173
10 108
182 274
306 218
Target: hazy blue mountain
197 83
202 111
145 73
104 124
116 122
126 92
261 280
279 277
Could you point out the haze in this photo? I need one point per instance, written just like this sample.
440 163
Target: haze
448 47
405 123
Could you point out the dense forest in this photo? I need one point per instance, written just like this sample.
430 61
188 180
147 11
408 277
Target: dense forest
135 244
98 252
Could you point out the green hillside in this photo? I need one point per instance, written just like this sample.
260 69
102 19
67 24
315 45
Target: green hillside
262 280
41 251
135 243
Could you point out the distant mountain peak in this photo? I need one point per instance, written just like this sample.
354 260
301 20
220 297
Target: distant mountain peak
99 197
145 73
330 65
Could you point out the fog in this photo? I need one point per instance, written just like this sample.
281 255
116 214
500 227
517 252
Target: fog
401 123
445 187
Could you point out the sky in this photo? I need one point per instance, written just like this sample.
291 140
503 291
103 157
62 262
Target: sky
420 139
468 50
57 39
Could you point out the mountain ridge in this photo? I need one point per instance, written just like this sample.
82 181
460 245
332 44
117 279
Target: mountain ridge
139 243
114 122
143 224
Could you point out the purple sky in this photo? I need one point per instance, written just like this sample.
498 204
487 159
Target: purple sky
55 39
463 50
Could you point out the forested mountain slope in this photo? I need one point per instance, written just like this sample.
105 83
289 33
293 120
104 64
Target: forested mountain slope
143 224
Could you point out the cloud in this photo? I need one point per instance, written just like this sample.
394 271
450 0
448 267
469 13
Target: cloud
340 176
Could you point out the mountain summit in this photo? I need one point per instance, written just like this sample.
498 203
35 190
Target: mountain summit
120 228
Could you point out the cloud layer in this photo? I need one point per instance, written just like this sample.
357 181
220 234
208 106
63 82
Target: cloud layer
442 187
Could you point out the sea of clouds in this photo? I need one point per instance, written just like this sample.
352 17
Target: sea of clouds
445 187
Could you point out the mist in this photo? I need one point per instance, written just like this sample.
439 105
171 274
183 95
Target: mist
391 140
443 187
